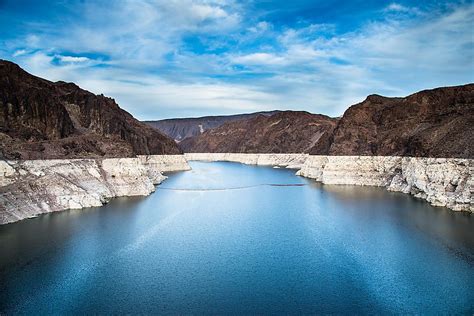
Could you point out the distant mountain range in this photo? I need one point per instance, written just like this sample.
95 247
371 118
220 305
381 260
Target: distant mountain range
181 128
43 119
431 123
287 131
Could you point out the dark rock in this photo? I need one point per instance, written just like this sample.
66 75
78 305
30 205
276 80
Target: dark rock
181 128
430 123
41 119
283 132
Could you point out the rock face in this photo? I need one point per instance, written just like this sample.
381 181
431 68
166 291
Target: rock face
32 187
181 128
283 132
440 181
40 119
291 161
430 123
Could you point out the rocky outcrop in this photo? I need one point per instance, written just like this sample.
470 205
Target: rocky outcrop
444 182
291 161
440 181
430 123
181 128
40 119
32 187
283 132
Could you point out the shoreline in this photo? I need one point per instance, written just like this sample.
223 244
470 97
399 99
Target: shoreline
32 187
446 182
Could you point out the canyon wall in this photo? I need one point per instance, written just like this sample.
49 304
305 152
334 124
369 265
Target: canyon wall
282 132
181 128
444 182
291 161
440 181
32 187
40 119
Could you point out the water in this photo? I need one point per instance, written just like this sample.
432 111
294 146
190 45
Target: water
261 249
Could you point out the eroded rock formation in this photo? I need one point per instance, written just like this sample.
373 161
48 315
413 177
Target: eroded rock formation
32 187
430 123
40 119
181 128
291 161
440 181
283 132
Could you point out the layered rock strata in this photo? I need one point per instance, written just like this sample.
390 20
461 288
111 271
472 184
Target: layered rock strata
444 182
32 187
440 181
291 161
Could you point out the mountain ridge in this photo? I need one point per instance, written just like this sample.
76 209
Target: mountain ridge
435 122
41 119
182 128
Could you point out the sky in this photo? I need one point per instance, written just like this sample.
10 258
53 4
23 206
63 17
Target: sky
181 58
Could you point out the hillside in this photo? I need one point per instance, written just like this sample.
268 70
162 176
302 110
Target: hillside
181 128
42 119
283 132
430 123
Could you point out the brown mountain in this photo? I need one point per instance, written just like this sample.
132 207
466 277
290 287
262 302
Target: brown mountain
283 132
181 128
42 119
430 123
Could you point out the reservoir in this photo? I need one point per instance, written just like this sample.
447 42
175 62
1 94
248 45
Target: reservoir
230 238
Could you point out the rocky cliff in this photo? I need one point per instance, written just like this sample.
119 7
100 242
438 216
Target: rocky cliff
41 119
32 187
430 123
290 161
440 181
181 128
283 132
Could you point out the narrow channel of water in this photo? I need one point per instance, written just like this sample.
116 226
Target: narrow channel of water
274 243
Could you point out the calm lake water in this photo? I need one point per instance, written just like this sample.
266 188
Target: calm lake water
253 249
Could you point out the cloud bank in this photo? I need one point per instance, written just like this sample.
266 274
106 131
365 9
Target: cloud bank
181 58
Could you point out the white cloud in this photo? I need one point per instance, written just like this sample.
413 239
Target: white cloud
19 52
72 59
396 7
260 27
153 74
259 59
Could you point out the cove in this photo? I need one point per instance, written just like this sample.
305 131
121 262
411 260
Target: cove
231 238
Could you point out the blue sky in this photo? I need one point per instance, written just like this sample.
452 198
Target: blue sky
181 58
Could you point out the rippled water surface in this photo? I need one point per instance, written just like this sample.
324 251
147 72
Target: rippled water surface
254 249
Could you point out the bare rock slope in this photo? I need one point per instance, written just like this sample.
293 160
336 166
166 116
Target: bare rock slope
181 128
29 188
283 132
40 119
430 123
